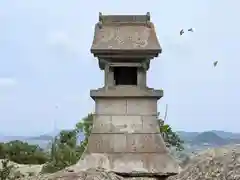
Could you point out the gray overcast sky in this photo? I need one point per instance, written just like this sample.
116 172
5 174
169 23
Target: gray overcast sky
45 62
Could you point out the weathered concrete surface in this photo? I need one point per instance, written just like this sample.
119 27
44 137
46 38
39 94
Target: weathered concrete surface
128 38
124 33
135 164
125 139
125 36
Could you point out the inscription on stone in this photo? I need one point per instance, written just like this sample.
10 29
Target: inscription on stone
136 35
99 143
118 143
126 124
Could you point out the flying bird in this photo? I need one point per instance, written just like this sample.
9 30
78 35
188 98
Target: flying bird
215 63
190 30
181 32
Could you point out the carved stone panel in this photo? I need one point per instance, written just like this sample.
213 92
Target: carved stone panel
145 143
98 143
126 124
118 143
107 143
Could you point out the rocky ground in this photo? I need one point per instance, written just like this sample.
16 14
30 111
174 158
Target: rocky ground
24 170
213 164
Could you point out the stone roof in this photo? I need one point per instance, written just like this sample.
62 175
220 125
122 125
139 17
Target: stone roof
115 33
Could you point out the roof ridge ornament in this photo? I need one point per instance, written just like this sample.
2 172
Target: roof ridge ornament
148 16
100 19
148 20
112 19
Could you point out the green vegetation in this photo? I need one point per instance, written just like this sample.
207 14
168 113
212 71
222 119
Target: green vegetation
22 153
170 137
65 150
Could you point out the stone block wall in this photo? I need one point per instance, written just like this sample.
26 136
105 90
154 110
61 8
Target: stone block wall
126 106
125 126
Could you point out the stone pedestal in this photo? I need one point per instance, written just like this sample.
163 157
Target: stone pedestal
125 137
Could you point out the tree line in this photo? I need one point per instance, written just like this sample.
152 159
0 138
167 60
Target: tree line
65 149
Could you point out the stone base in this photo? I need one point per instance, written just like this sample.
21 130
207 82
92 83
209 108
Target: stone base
126 91
131 164
146 178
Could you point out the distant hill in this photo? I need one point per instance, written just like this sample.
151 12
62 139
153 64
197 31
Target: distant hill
187 136
44 140
42 137
209 137
228 135
4 138
234 141
191 139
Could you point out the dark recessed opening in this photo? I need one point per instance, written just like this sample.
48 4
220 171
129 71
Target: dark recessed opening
125 75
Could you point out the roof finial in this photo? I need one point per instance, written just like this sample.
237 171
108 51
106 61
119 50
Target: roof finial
100 19
148 16
148 20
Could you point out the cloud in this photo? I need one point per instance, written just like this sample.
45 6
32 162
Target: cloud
61 41
7 81
58 38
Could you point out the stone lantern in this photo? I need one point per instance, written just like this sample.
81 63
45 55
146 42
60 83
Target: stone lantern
125 137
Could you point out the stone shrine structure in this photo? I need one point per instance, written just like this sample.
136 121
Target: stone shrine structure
125 137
